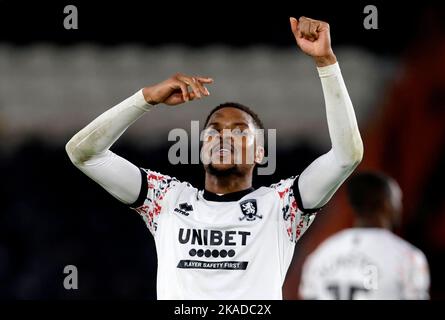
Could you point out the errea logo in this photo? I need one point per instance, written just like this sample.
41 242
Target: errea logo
184 209
249 209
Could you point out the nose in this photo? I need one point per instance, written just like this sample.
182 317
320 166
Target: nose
226 139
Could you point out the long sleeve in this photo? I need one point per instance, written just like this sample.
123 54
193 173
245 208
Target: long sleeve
89 149
319 181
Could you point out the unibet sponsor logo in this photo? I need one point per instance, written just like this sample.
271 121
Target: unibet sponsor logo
213 237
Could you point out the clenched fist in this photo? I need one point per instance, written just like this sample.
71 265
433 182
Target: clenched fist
314 39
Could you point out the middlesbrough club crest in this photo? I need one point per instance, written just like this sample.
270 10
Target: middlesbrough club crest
249 209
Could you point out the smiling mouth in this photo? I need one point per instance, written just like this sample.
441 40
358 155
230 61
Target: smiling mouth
225 150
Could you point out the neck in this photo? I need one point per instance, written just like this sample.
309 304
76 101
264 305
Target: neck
375 221
228 184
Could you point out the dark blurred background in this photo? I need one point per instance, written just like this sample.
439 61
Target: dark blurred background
54 81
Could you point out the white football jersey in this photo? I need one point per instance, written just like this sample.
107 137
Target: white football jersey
365 263
234 246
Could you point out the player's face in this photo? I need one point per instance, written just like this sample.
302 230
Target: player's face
229 141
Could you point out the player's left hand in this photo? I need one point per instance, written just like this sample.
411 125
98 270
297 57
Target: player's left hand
314 39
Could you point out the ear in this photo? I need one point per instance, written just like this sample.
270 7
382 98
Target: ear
388 214
259 154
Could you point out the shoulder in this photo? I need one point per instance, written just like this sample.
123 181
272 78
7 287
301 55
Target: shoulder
157 186
408 250
283 184
414 254
157 179
284 189
335 242
288 191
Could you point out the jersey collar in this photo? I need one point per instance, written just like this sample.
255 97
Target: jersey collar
232 196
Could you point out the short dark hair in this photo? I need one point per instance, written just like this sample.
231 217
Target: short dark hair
257 121
367 191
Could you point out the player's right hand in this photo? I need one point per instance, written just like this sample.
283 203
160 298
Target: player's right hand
175 90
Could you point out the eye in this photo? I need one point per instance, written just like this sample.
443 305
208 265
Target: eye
210 133
237 132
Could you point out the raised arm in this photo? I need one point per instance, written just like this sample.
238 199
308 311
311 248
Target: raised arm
89 148
319 181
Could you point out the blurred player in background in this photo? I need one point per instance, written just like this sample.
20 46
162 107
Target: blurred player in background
228 241
368 261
